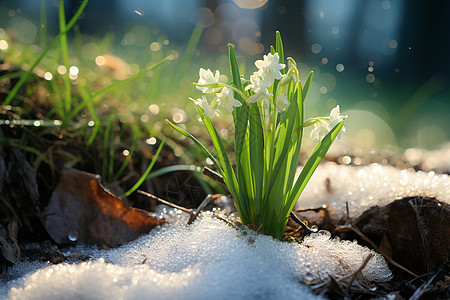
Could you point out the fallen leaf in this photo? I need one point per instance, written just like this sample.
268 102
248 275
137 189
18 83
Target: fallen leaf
81 210
415 229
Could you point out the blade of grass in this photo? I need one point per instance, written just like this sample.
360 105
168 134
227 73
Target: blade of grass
65 58
86 96
12 75
198 144
105 146
25 76
174 168
192 45
16 143
144 176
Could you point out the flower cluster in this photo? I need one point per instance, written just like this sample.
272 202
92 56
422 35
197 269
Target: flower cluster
268 118
260 89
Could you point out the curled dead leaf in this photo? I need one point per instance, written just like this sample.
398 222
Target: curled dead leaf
81 210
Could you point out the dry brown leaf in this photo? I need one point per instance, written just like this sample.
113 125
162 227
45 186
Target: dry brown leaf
81 210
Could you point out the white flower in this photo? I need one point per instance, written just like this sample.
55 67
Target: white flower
227 100
258 87
335 117
203 103
208 78
321 127
269 68
320 130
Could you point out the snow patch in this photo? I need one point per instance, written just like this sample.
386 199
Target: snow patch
364 187
206 260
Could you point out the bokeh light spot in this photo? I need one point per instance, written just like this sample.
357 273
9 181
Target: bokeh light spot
151 141
250 4
100 60
3 45
316 48
386 5
370 78
154 109
48 76
393 44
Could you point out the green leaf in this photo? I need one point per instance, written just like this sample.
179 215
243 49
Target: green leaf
234 68
227 171
312 164
198 144
256 147
279 48
307 85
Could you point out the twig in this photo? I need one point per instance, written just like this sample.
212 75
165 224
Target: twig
202 205
148 195
213 174
348 211
424 287
226 221
303 225
363 265
314 209
364 237
193 214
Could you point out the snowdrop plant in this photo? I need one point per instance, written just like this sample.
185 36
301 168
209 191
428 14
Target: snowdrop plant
267 112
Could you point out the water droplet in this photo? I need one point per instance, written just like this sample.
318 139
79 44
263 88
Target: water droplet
339 67
73 236
308 277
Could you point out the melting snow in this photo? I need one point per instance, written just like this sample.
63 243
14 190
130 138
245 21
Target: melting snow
364 187
210 259
206 260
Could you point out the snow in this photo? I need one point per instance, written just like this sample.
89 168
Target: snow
364 187
211 259
208 259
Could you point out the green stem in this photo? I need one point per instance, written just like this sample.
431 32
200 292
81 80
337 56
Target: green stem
144 176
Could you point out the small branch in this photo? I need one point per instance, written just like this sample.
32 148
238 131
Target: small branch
363 265
425 287
202 205
189 211
193 214
303 225
214 175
